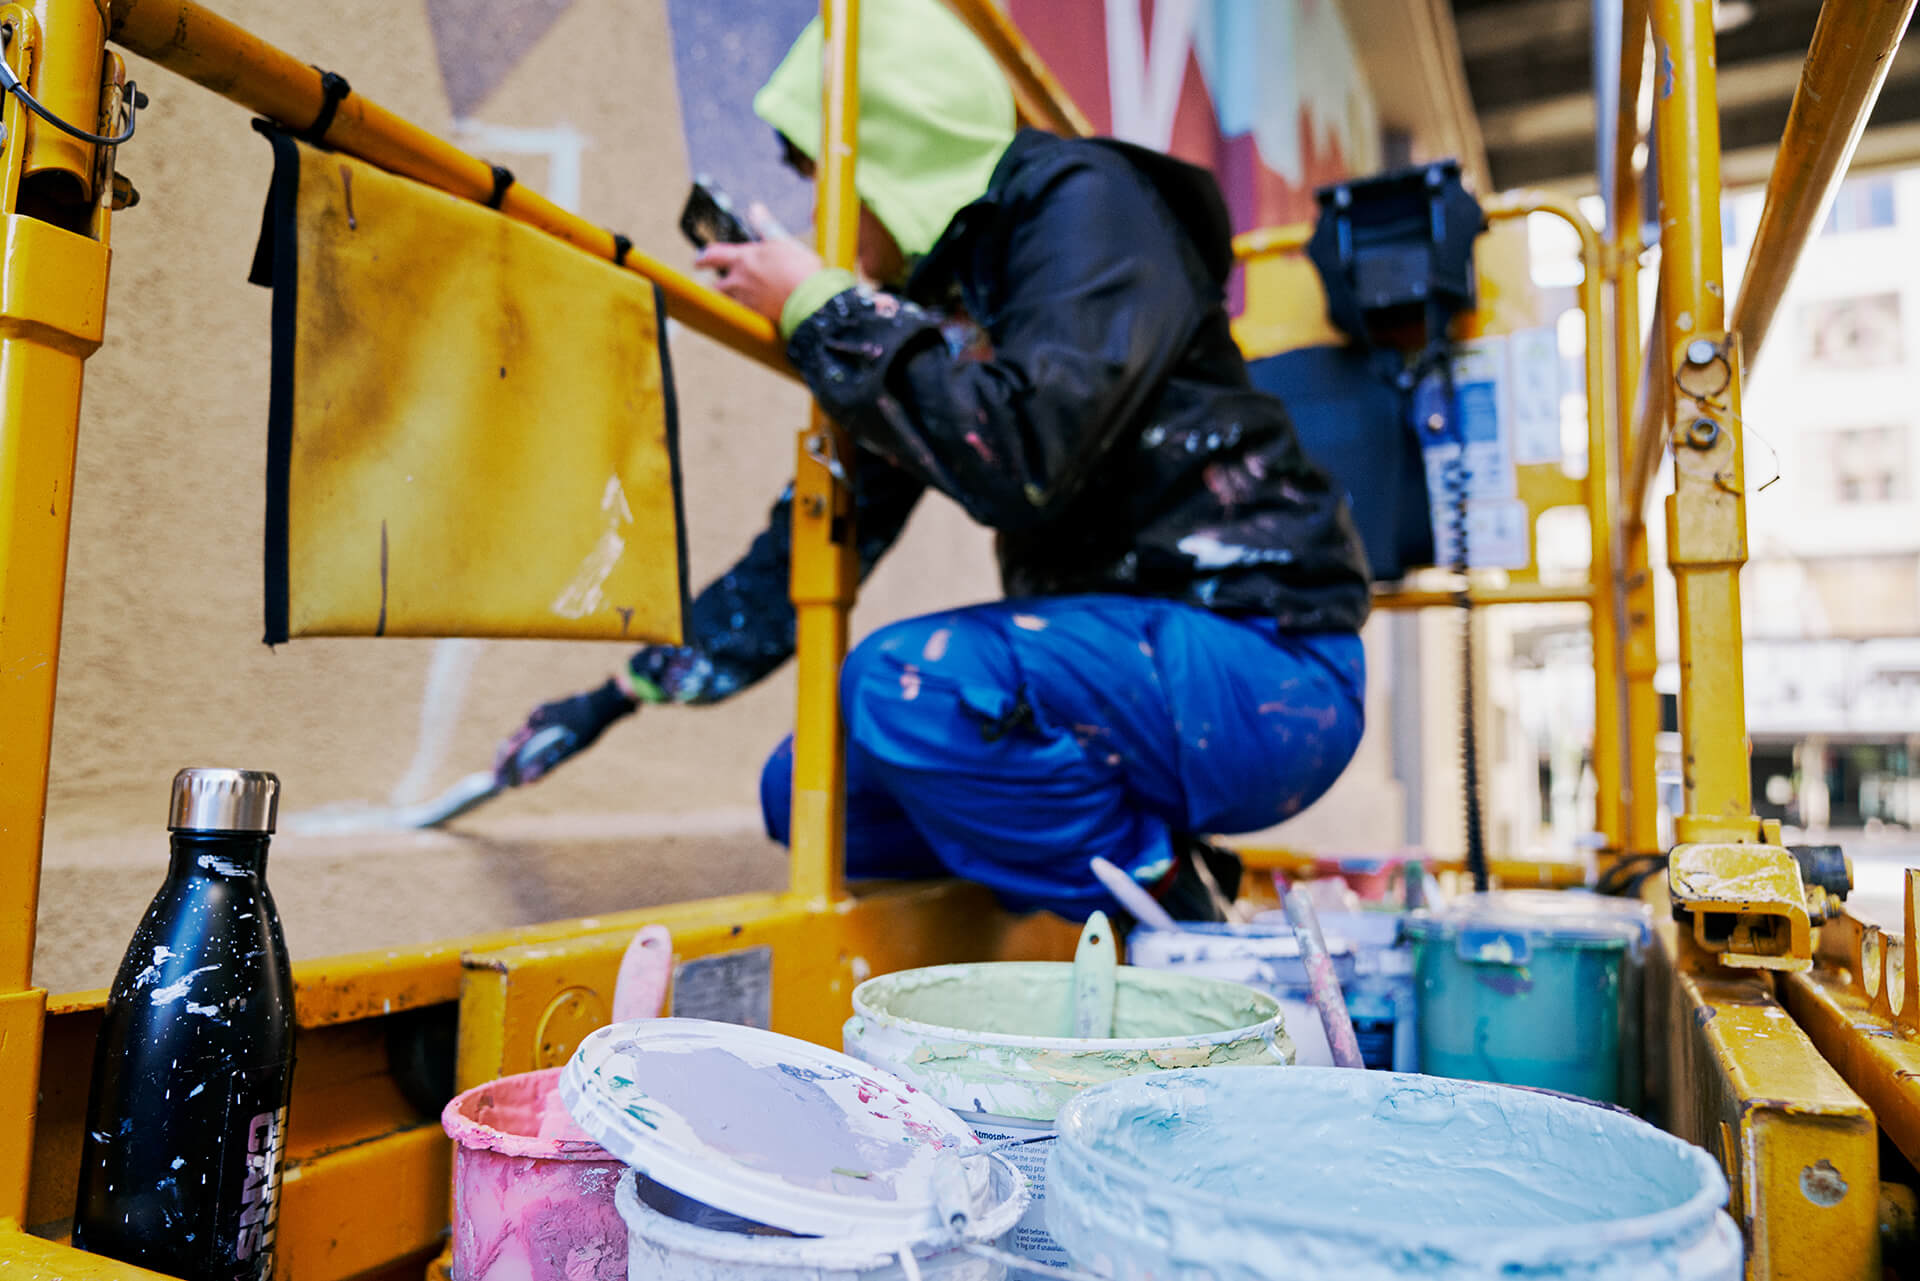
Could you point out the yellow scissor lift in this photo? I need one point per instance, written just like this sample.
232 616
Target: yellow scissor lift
1784 1035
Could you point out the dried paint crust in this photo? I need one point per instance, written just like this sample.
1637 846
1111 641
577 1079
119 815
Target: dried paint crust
1366 1176
989 1039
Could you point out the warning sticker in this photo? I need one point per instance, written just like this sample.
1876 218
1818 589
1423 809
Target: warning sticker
732 987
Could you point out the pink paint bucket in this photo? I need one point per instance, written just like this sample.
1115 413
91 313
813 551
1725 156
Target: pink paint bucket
532 1194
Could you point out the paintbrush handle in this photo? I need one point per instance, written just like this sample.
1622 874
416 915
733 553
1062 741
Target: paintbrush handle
1094 963
1322 982
1133 896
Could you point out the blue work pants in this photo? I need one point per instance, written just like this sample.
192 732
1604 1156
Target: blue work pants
1008 743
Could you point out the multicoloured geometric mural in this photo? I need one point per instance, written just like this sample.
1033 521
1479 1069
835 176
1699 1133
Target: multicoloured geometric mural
1266 93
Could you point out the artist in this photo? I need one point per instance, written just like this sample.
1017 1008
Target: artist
1041 336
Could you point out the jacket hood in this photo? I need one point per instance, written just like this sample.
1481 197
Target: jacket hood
935 114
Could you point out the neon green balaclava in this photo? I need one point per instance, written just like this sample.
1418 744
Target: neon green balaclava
935 115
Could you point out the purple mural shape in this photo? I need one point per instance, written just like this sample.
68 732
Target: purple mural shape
479 41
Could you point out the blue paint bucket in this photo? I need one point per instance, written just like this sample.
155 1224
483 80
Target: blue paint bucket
1533 987
1326 1174
1370 959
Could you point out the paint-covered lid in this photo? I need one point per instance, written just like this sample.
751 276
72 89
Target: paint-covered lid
769 1128
1503 925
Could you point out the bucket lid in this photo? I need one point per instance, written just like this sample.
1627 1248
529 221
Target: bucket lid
1573 916
766 1127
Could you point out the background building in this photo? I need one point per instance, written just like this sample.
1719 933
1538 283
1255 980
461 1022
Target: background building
1832 597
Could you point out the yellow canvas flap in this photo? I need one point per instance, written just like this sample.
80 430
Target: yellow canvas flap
472 426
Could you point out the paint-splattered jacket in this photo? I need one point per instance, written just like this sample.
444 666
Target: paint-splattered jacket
1059 364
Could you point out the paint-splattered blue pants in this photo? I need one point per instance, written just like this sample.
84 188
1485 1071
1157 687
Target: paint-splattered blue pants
1008 743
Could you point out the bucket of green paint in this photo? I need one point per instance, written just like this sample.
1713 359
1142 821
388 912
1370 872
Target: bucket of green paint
1533 987
985 1040
1326 1174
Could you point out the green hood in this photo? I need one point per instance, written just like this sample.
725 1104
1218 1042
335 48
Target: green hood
935 114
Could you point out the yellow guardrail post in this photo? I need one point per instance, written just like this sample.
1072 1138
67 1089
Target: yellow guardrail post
1706 516
54 212
825 570
1639 655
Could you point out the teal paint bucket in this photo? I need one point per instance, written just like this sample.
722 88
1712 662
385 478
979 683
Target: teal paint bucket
1533 987
1327 1174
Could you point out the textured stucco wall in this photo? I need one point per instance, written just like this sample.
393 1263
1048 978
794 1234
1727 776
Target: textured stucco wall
162 665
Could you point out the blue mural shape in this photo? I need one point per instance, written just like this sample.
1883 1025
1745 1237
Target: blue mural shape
722 54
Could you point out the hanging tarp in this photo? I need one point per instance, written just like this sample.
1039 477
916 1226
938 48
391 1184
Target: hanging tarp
471 429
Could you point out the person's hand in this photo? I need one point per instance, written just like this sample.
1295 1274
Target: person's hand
761 275
557 730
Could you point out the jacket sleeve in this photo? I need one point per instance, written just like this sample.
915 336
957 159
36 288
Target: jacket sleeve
1098 301
741 627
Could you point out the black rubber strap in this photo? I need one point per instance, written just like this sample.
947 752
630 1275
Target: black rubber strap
333 90
502 179
622 246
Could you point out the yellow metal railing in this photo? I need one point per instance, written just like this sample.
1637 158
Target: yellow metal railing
194 42
824 571
1038 95
1598 495
52 308
1741 1077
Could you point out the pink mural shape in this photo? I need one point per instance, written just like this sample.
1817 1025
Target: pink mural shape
1268 94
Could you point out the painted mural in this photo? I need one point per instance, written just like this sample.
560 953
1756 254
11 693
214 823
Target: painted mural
1267 93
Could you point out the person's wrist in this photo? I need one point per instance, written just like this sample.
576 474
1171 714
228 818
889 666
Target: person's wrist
636 687
811 294
610 702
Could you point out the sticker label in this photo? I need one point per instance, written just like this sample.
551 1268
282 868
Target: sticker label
1533 367
1482 420
252 1147
733 987
1496 534
1030 1238
260 1194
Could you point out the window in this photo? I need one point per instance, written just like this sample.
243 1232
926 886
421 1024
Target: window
1862 464
1854 333
1865 204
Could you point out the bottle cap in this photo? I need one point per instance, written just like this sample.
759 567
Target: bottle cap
224 800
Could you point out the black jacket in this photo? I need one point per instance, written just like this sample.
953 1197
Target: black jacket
1060 365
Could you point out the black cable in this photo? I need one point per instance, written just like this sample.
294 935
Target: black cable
1627 875
130 96
1458 477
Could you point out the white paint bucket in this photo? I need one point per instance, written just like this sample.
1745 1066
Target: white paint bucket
1374 969
671 1238
983 1039
1365 1176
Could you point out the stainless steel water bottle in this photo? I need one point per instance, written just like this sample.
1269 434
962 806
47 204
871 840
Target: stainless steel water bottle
186 1120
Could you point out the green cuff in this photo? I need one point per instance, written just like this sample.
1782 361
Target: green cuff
812 295
642 689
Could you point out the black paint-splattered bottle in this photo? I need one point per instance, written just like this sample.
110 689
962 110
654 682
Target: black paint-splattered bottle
186 1122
